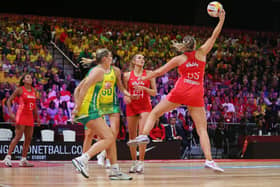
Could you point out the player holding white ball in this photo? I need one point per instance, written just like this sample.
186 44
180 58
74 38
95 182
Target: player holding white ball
188 90
214 8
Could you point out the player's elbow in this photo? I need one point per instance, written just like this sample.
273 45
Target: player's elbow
157 73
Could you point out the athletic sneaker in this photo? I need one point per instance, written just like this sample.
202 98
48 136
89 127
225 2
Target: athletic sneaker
141 139
140 167
81 165
213 165
100 159
133 167
108 164
7 161
24 163
116 174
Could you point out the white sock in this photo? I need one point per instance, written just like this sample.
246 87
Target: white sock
115 166
211 161
85 157
8 157
103 153
140 162
23 158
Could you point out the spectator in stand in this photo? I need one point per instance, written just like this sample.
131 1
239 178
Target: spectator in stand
53 92
44 117
172 130
1 112
158 132
122 130
52 111
70 105
230 106
221 136
64 93
60 118
65 109
71 86
57 100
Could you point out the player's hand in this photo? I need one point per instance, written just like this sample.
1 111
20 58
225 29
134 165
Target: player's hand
139 88
12 117
86 60
38 122
73 115
222 15
127 100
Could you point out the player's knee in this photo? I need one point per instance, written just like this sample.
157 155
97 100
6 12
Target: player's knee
109 136
201 131
155 113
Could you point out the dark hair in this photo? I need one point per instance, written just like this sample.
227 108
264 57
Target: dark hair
21 83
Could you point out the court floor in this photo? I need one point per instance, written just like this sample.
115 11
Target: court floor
263 173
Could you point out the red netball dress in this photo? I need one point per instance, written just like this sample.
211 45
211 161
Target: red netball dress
27 102
141 101
189 88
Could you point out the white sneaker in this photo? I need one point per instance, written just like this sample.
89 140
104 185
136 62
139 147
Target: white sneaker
81 165
133 167
7 161
25 163
100 159
140 167
108 164
141 139
116 174
213 165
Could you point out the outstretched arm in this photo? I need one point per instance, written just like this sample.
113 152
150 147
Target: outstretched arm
153 90
207 46
174 62
87 60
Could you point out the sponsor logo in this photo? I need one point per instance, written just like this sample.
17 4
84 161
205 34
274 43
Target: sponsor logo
191 64
147 149
31 97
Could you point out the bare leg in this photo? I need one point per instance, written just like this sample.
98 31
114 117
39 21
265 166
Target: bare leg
132 130
14 142
87 140
115 125
142 147
99 127
199 117
158 110
28 132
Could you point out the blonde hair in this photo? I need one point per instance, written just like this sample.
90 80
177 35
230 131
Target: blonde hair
100 53
186 45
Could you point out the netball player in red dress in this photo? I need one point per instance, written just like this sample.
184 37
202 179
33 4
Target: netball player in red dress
188 89
24 119
138 106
